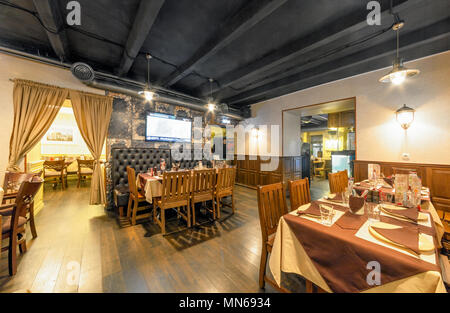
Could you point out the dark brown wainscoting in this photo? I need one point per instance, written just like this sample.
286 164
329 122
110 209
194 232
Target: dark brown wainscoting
249 172
434 176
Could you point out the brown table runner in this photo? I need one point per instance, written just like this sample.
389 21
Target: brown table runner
341 258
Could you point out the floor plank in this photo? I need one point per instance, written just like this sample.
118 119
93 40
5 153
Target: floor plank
81 248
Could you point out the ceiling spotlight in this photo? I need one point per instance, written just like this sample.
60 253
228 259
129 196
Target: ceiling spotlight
399 73
148 94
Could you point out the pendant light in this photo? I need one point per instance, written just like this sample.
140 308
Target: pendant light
211 105
405 116
399 73
147 92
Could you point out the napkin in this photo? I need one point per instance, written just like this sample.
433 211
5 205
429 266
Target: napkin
389 181
355 203
351 221
336 197
313 209
410 214
405 236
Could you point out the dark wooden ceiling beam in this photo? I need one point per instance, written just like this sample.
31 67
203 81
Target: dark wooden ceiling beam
336 69
293 50
254 12
50 15
145 18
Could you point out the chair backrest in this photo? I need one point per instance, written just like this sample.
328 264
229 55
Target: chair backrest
226 178
27 191
57 165
271 207
85 164
13 179
338 181
299 192
131 173
175 186
203 181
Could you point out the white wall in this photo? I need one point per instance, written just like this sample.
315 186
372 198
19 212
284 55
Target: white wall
379 136
291 134
13 67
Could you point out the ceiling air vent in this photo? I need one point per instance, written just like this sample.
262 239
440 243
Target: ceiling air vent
82 71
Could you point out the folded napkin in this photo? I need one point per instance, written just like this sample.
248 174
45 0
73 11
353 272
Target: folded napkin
405 236
351 221
355 203
313 209
410 214
389 181
337 197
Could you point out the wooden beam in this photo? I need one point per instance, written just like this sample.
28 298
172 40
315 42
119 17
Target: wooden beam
336 29
50 14
254 12
356 63
145 18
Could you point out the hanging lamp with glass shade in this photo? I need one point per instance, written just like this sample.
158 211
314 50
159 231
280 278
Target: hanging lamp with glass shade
148 93
399 73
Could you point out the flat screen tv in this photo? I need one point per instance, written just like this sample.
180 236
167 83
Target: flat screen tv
164 127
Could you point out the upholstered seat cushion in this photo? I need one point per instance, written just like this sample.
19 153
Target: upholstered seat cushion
51 173
121 194
6 223
86 171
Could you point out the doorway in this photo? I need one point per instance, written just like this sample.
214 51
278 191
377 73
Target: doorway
324 135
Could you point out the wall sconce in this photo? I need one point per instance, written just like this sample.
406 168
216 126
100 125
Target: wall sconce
405 116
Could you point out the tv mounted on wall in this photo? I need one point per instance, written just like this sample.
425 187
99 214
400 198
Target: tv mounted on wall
164 127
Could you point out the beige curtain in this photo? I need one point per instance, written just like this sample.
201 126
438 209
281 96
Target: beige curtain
35 108
92 113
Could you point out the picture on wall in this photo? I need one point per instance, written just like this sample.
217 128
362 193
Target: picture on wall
59 135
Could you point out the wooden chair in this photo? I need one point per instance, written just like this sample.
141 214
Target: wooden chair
13 179
13 223
85 170
203 182
338 181
55 171
225 187
271 207
319 168
175 194
299 193
135 199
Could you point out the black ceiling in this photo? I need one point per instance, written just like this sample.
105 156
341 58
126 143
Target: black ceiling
253 49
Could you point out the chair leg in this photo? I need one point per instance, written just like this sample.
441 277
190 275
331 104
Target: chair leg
23 246
218 206
193 213
12 257
262 267
135 208
79 181
163 221
309 286
129 207
32 223
188 209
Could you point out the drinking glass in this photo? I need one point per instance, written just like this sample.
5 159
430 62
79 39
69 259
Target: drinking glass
351 181
373 212
326 214
345 196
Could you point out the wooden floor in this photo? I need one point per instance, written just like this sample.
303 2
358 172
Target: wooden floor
81 249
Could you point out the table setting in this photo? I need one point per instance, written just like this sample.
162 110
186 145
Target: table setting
332 240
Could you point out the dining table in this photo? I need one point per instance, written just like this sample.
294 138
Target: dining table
151 185
349 255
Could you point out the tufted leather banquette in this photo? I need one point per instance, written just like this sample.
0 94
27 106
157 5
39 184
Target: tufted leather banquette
141 159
